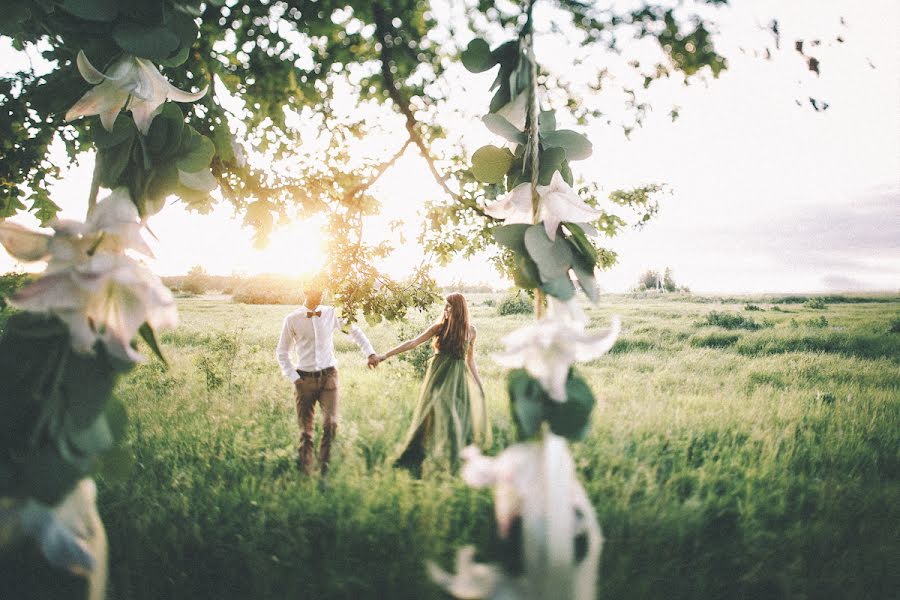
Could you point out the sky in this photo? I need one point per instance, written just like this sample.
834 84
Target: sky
765 196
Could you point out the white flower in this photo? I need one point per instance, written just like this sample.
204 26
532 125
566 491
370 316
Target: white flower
129 77
536 483
558 203
90 283
548 347
70 535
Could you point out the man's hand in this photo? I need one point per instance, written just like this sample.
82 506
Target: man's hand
373 361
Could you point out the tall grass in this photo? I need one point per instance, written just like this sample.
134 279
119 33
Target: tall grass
722 463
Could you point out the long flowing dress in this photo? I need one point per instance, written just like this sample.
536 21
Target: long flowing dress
449 415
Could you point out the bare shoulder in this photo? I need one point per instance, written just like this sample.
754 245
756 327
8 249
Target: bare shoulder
472 332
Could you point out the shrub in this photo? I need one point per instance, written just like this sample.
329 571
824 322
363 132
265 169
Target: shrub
417 357
515 304
488 302
815 304
730 321
820 323
751 307
196 282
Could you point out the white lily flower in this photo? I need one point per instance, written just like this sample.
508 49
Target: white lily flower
70 535
548 347
90 283
107 297
558 203
535 482
132 81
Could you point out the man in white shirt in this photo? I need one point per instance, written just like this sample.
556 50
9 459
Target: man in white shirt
310 331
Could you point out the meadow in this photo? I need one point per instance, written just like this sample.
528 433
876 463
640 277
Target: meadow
734 453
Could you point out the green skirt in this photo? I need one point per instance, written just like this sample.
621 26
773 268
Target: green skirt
449 415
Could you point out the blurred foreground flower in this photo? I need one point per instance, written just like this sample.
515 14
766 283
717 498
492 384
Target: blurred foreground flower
70 535
90 283
548 347
559 203
534 482
132 81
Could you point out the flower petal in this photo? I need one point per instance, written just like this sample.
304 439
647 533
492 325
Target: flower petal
87 70
22 243
105 99
177 95
591 346
515 206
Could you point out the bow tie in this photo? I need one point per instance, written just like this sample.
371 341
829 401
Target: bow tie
313 313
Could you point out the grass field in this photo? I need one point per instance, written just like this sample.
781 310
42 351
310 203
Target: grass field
760 459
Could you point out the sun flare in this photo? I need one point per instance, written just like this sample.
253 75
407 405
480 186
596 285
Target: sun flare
297 248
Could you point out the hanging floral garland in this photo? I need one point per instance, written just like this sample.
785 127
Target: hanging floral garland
544 517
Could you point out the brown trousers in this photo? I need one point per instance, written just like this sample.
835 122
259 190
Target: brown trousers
309 391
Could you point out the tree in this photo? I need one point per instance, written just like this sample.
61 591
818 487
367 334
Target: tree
270 65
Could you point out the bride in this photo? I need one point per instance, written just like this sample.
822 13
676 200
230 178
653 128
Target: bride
450 413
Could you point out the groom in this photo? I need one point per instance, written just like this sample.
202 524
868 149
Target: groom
310 330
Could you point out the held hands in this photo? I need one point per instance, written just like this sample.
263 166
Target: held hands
374 359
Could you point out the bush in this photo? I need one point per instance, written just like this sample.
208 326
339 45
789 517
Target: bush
196 282
417 357
517 304
815 304
752 307
730 321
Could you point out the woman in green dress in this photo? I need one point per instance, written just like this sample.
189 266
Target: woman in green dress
450 413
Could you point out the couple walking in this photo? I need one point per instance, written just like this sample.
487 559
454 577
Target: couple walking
450 412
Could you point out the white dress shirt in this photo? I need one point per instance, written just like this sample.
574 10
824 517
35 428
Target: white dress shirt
313 339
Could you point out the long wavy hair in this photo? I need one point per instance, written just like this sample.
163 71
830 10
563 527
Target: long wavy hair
451 337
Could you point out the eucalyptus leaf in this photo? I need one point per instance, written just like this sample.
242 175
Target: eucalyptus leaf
526 275
500 126
576 145
572 418
546 121
123 130
561 288
196 151
490 163
113 162
553 257
201 181
92 10
154 43
586 280
164 137
528 401
512 237
551 160
477 56
148 335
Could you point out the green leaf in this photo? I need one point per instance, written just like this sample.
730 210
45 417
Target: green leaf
526 275
553 257
546 121
551 161
92 10
123 130
154 43
477 58
185 28
582 244
577 146
500 126
490 163
112 163
196 151
43 207
528 401
201 181
586 280
164 137
561 288
147 334
572 418
512 237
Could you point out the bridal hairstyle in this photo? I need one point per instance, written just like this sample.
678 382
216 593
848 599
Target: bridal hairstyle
451 337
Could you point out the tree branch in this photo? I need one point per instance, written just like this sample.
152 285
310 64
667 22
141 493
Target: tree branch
382 28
